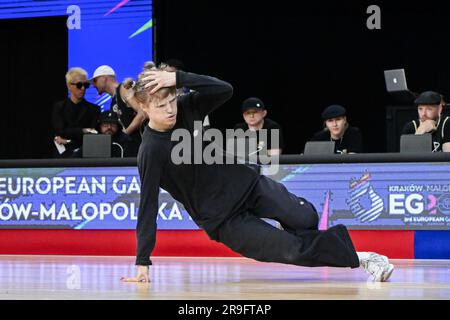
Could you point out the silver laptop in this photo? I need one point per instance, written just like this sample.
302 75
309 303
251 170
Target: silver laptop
319 147
97 146
395 80
417 143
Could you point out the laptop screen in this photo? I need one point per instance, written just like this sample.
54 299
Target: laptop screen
319 147
395 80
97 146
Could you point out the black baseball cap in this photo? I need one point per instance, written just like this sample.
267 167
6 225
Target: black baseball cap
333 111
108 117
252 103
428 98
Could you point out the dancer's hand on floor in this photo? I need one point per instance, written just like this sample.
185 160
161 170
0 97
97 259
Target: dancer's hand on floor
142 275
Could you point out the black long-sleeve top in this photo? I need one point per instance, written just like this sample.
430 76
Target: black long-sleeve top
69 119
209 193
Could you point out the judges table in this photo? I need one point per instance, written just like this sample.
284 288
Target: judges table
398 204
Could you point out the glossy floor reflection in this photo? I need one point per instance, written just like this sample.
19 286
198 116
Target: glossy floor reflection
84 277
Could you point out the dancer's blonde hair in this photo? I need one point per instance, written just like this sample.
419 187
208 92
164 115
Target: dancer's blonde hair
142 94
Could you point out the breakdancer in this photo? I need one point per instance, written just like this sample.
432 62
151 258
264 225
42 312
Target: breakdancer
228 201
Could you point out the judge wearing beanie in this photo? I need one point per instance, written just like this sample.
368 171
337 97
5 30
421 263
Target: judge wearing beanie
347 139
429 108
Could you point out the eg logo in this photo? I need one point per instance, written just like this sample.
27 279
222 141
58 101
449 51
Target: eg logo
415 203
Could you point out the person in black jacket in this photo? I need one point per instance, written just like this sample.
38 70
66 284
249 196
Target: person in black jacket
228 201
74 116
347 139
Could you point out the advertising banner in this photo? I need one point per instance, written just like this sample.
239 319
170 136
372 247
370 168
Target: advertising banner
413 196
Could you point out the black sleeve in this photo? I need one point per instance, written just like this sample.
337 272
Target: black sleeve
409 128
58 123
446 135
209 93
149 172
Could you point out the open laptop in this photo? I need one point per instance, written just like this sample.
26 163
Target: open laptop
395 80
396 85
417 143
319 147
97 146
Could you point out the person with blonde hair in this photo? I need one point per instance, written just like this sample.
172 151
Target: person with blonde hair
228 201
347 139
74 116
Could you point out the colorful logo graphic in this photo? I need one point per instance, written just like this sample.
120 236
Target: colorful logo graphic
364 202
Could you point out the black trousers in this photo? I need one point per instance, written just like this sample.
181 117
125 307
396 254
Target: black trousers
300 243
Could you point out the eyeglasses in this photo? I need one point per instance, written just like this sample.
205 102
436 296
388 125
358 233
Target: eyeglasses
79 85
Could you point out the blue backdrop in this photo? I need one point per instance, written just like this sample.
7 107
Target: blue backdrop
113 32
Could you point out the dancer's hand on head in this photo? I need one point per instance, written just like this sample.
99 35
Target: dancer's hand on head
159 79
142 275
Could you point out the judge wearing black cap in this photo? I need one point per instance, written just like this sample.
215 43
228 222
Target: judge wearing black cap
254 113
347 139
429 108
122 144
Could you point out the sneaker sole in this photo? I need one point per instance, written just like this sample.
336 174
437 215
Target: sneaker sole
386 274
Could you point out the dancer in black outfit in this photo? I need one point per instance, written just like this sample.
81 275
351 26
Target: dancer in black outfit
226 200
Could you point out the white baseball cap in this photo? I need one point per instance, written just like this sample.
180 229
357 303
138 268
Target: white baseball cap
103 71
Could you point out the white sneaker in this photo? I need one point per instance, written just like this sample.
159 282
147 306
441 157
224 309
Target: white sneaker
378 266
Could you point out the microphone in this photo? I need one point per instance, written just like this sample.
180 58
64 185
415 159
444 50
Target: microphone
260 147
121 149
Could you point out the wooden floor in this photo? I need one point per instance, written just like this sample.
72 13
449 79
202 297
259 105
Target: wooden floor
82 277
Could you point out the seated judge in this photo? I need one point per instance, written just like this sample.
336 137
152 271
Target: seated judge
430 105
254 113
347 139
